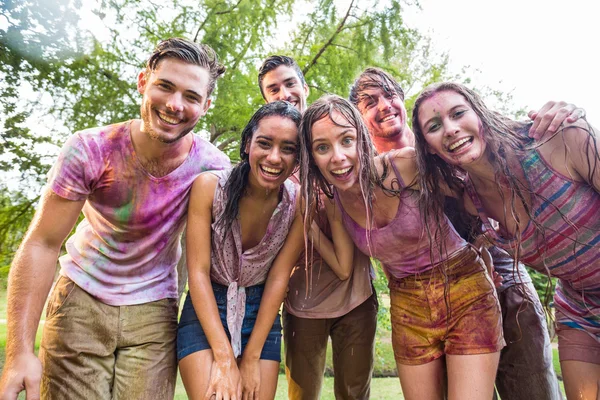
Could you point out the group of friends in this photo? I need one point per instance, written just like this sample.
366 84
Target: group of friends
452 208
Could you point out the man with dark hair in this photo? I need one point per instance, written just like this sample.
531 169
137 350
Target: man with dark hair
280 78
320 304
525 370
111 321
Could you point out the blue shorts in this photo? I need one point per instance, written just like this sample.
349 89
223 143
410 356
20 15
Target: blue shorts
191 337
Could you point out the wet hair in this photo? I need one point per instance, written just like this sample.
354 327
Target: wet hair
236 184
191 53
311 178
273 62
503 137
374 78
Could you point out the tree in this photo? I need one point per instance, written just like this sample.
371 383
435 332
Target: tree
84 80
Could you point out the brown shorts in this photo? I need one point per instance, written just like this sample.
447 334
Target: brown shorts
577 345
433 315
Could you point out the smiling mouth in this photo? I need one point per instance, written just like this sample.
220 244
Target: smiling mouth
388 118
166 118
459 144
271 171
341 173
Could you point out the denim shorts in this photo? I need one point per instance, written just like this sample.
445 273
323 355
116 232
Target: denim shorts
191 337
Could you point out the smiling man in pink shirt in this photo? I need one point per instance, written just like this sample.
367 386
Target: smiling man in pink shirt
111 320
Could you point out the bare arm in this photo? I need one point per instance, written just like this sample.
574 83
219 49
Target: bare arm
339 254
582 143
224 373
29 282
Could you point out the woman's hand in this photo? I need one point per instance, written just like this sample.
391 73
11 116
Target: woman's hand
225 382
250 374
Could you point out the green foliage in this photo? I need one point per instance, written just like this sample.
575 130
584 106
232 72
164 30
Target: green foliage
15 213
543 285
78 80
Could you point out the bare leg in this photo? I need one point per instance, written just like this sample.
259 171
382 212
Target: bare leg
471 376
581 379
195 373
269 372
422 382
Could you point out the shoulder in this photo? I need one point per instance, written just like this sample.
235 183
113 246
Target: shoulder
208 155
205 185
405 162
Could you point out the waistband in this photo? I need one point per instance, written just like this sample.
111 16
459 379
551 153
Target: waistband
465 261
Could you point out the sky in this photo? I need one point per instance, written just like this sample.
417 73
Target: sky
539 50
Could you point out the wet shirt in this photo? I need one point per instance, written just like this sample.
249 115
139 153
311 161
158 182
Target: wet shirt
403 246
568 246
125 250
237 269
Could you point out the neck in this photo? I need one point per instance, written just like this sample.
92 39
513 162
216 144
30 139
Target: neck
406 138
255 191
482 173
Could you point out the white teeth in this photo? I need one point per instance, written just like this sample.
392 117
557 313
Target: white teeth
341 171
456 144
271 170
168 119
388 118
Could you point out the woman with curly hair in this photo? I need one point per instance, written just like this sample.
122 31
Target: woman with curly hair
545 198
443 303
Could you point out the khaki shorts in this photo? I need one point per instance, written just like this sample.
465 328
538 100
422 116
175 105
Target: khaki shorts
91 350
433 315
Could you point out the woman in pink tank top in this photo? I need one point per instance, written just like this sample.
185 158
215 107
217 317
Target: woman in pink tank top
244 235
546 200
444 310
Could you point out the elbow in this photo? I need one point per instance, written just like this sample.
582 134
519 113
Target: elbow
344 275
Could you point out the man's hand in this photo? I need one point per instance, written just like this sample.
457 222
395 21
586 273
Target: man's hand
250 372
225 382
21 372
549 118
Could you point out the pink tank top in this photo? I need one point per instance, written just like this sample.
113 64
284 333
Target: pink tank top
403 245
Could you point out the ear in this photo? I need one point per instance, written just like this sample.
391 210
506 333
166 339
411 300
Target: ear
247 147
207 104
306 91
142 81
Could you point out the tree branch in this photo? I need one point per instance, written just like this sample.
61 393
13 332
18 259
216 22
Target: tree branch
330 41
210 13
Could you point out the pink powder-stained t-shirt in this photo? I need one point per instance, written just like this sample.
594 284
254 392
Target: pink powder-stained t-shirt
126 249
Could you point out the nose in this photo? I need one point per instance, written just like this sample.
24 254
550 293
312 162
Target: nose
451 128
338 155
384 103
174 102
284 94
274 156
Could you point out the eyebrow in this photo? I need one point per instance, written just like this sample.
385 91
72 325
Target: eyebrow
342 133
291 78
438 113
186 91
269 138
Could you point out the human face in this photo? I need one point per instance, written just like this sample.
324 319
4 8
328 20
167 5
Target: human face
451 128
283 83
174 99
272 152
383 113
334 151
